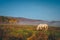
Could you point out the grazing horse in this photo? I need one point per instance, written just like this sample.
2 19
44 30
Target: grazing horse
42 27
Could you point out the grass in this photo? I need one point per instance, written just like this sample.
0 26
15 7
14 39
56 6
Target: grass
25 31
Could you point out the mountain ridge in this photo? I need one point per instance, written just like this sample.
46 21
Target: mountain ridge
26 21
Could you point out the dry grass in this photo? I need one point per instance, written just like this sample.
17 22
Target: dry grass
26 32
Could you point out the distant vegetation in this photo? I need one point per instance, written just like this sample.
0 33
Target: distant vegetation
7 19
28 32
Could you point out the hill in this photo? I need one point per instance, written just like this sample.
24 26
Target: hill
26 21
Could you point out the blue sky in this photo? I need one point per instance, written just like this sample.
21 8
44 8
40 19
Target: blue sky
33 9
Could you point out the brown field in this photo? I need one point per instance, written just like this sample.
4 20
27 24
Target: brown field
28 32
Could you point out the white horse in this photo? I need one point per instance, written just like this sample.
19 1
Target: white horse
42 27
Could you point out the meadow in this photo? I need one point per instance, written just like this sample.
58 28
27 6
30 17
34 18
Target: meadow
27 32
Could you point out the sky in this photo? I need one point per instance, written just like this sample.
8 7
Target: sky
33 9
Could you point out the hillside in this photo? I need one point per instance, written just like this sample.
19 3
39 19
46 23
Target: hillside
26 21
